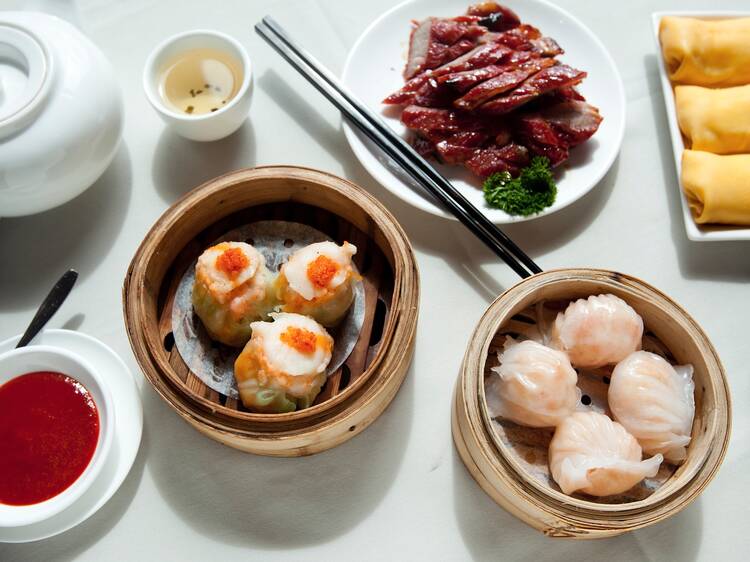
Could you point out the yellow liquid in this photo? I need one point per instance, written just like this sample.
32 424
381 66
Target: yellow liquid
200 81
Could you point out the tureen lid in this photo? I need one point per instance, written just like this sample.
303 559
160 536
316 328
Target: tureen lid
25 77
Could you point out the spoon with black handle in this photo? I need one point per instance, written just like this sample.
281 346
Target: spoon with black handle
49 306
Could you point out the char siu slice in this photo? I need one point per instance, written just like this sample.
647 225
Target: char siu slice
428 121
460 147
546 80
450 30
565 94
436 41
569 122
423 146
546 47
480 56
419 45
440 53
462 82
501 83
487 161
525 37
555 129
433 94
443 91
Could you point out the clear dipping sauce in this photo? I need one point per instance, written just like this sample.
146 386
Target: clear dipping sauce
49 428
200 81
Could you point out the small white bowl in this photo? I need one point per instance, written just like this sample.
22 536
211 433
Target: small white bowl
208 126
47 358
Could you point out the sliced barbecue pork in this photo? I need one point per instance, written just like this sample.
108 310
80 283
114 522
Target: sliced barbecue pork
436 41
480 56
509 158
460 147
485 91
503 82
556 128
552 78
428 120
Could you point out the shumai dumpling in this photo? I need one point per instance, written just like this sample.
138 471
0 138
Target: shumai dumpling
592 454
283 366
318 280
533 385
654 401
232 289
597 331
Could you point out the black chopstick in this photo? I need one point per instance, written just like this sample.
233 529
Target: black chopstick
396 148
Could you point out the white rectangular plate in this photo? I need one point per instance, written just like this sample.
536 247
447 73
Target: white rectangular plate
695 232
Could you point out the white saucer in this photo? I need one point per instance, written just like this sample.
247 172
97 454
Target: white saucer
127 438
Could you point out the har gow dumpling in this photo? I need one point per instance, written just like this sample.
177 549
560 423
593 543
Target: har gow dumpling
597 331
654 401
535 385
590 453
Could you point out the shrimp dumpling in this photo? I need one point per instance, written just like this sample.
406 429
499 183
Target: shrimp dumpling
654 401
592 454
534 385
283 366
597 331
318 280
232 289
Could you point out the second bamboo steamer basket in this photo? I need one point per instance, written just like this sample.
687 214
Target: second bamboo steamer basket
510 462
357 393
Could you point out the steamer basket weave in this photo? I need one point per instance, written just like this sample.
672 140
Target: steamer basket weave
353 396
510 462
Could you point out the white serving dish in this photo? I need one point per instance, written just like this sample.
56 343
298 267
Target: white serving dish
699 233
60 113
36 358
208 126
376 61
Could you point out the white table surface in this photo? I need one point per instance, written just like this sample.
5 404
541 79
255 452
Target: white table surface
399 490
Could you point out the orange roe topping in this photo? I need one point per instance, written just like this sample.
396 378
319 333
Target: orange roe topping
321 270
232 261
300 339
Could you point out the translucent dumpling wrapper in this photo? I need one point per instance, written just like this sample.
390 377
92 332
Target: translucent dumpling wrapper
534 385
655 402
233 288
592 454
318 281
597 331
283 366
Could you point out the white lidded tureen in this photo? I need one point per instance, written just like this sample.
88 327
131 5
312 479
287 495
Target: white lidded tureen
60 113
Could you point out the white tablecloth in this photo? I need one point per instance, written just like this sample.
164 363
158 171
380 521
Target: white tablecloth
399 490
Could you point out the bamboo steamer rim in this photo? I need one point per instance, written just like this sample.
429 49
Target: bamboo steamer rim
150 357
470 401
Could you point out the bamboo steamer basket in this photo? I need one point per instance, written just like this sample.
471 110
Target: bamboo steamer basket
356 394
510 462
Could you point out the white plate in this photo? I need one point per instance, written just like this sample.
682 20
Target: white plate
694 231
373 70
127 438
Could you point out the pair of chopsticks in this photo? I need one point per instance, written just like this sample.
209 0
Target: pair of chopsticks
396 148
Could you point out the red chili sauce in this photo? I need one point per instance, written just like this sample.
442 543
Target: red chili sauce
49 428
